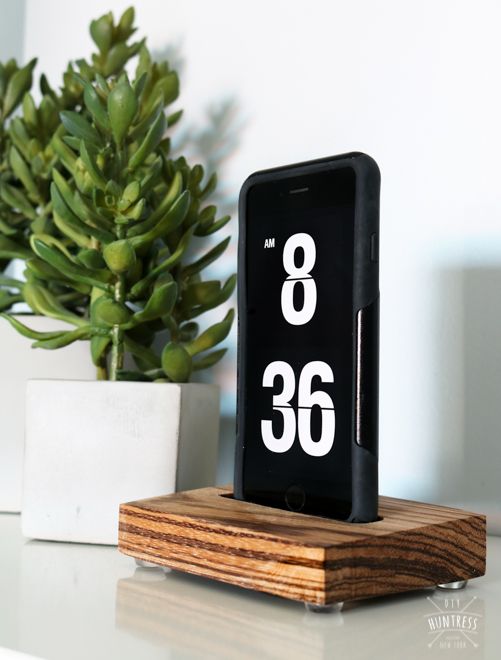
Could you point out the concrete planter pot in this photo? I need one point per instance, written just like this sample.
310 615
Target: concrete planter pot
18 363
91 446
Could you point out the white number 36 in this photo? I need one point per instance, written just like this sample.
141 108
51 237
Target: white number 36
306 400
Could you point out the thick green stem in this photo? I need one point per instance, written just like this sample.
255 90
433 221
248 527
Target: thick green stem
117 334
102 370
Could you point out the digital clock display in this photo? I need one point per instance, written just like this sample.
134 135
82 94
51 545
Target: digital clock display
299 354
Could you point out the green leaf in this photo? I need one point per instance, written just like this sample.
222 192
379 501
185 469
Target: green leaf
129 195
136 211
109 312
196 175
68 268
98 346
10 281
174 118
200 293
77 204
73 221
209 360
66 338
8 299
18 84
44 271
126 22
207 216
48 239
92 167
94 104
214 227
213 298
212 336
207 259
102 85
7 229
83 179
23 173
149 358
209 188
160 303
42 301
119 256
65 154
122 108
76 125
188 331
144 62
28 332
176 362
82 240
46 89
150 142
3 80
72 142
116 59
172 195
91 258
49 115
30 112
16 199
101 31
139 84
11 250
167 88
155 374
112 190
138 132
153 176
139 288
19 136
171 220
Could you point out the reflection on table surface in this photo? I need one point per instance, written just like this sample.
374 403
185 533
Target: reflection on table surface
71 601
192 615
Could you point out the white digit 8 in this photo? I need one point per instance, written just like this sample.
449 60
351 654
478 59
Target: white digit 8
280 403
306 400
300 276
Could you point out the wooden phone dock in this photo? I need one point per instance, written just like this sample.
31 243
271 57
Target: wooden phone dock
302 557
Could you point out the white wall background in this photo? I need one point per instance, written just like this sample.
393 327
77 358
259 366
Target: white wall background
416 85
11 29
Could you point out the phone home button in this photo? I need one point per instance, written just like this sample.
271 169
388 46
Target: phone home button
295 497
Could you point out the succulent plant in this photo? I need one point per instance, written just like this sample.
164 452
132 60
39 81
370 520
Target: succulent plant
14 83
114 257
30 142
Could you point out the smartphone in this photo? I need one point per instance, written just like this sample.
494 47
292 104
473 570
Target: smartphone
308 345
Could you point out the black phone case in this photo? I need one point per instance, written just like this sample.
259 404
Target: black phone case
365 317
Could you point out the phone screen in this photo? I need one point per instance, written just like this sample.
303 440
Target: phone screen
297 389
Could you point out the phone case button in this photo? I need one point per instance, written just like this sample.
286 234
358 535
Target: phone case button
374 249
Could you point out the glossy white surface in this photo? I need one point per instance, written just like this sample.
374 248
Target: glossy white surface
69 601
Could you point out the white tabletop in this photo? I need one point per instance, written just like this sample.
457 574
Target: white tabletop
70 601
